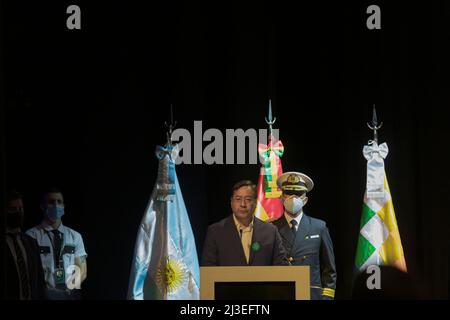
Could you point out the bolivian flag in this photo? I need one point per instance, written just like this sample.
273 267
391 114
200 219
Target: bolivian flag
269 204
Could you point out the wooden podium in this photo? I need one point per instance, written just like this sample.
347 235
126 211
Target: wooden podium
274 282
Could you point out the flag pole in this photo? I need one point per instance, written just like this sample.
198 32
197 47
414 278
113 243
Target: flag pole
170 126
269 120
375 127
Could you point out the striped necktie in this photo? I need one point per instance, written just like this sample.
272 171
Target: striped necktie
22 268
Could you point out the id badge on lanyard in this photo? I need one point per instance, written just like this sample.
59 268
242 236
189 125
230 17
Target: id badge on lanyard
60 276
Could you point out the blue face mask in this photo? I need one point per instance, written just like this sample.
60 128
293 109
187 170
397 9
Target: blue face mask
54 212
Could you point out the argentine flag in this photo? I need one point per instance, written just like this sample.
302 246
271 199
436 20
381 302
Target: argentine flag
165 263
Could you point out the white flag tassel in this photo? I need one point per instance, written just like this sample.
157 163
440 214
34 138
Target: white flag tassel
375 155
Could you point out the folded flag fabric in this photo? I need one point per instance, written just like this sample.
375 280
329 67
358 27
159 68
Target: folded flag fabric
165 262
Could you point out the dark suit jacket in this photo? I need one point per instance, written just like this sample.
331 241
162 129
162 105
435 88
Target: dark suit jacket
223 246
311 246
36 273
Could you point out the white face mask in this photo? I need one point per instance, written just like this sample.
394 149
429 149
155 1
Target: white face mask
293 205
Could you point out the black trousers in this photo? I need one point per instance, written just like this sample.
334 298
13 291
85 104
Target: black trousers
55 294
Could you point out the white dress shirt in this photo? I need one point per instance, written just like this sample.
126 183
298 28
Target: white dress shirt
289 218
42 233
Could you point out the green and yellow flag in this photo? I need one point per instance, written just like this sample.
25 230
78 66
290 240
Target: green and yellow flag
379 240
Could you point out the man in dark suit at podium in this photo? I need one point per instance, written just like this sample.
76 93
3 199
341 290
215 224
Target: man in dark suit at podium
241 239
306 239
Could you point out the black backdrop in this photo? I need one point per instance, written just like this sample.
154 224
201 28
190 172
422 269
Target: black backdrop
85 109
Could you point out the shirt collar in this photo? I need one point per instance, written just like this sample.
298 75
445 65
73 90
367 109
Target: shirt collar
48 227
240 226
290 218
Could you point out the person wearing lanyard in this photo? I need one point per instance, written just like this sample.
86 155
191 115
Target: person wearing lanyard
62 250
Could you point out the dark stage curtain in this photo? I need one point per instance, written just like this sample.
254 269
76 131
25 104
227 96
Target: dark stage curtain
85 110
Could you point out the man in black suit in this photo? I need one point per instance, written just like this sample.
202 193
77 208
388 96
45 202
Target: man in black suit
24 274
306 239
241 239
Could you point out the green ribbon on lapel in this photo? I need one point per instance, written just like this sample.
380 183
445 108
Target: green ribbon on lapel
256 246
